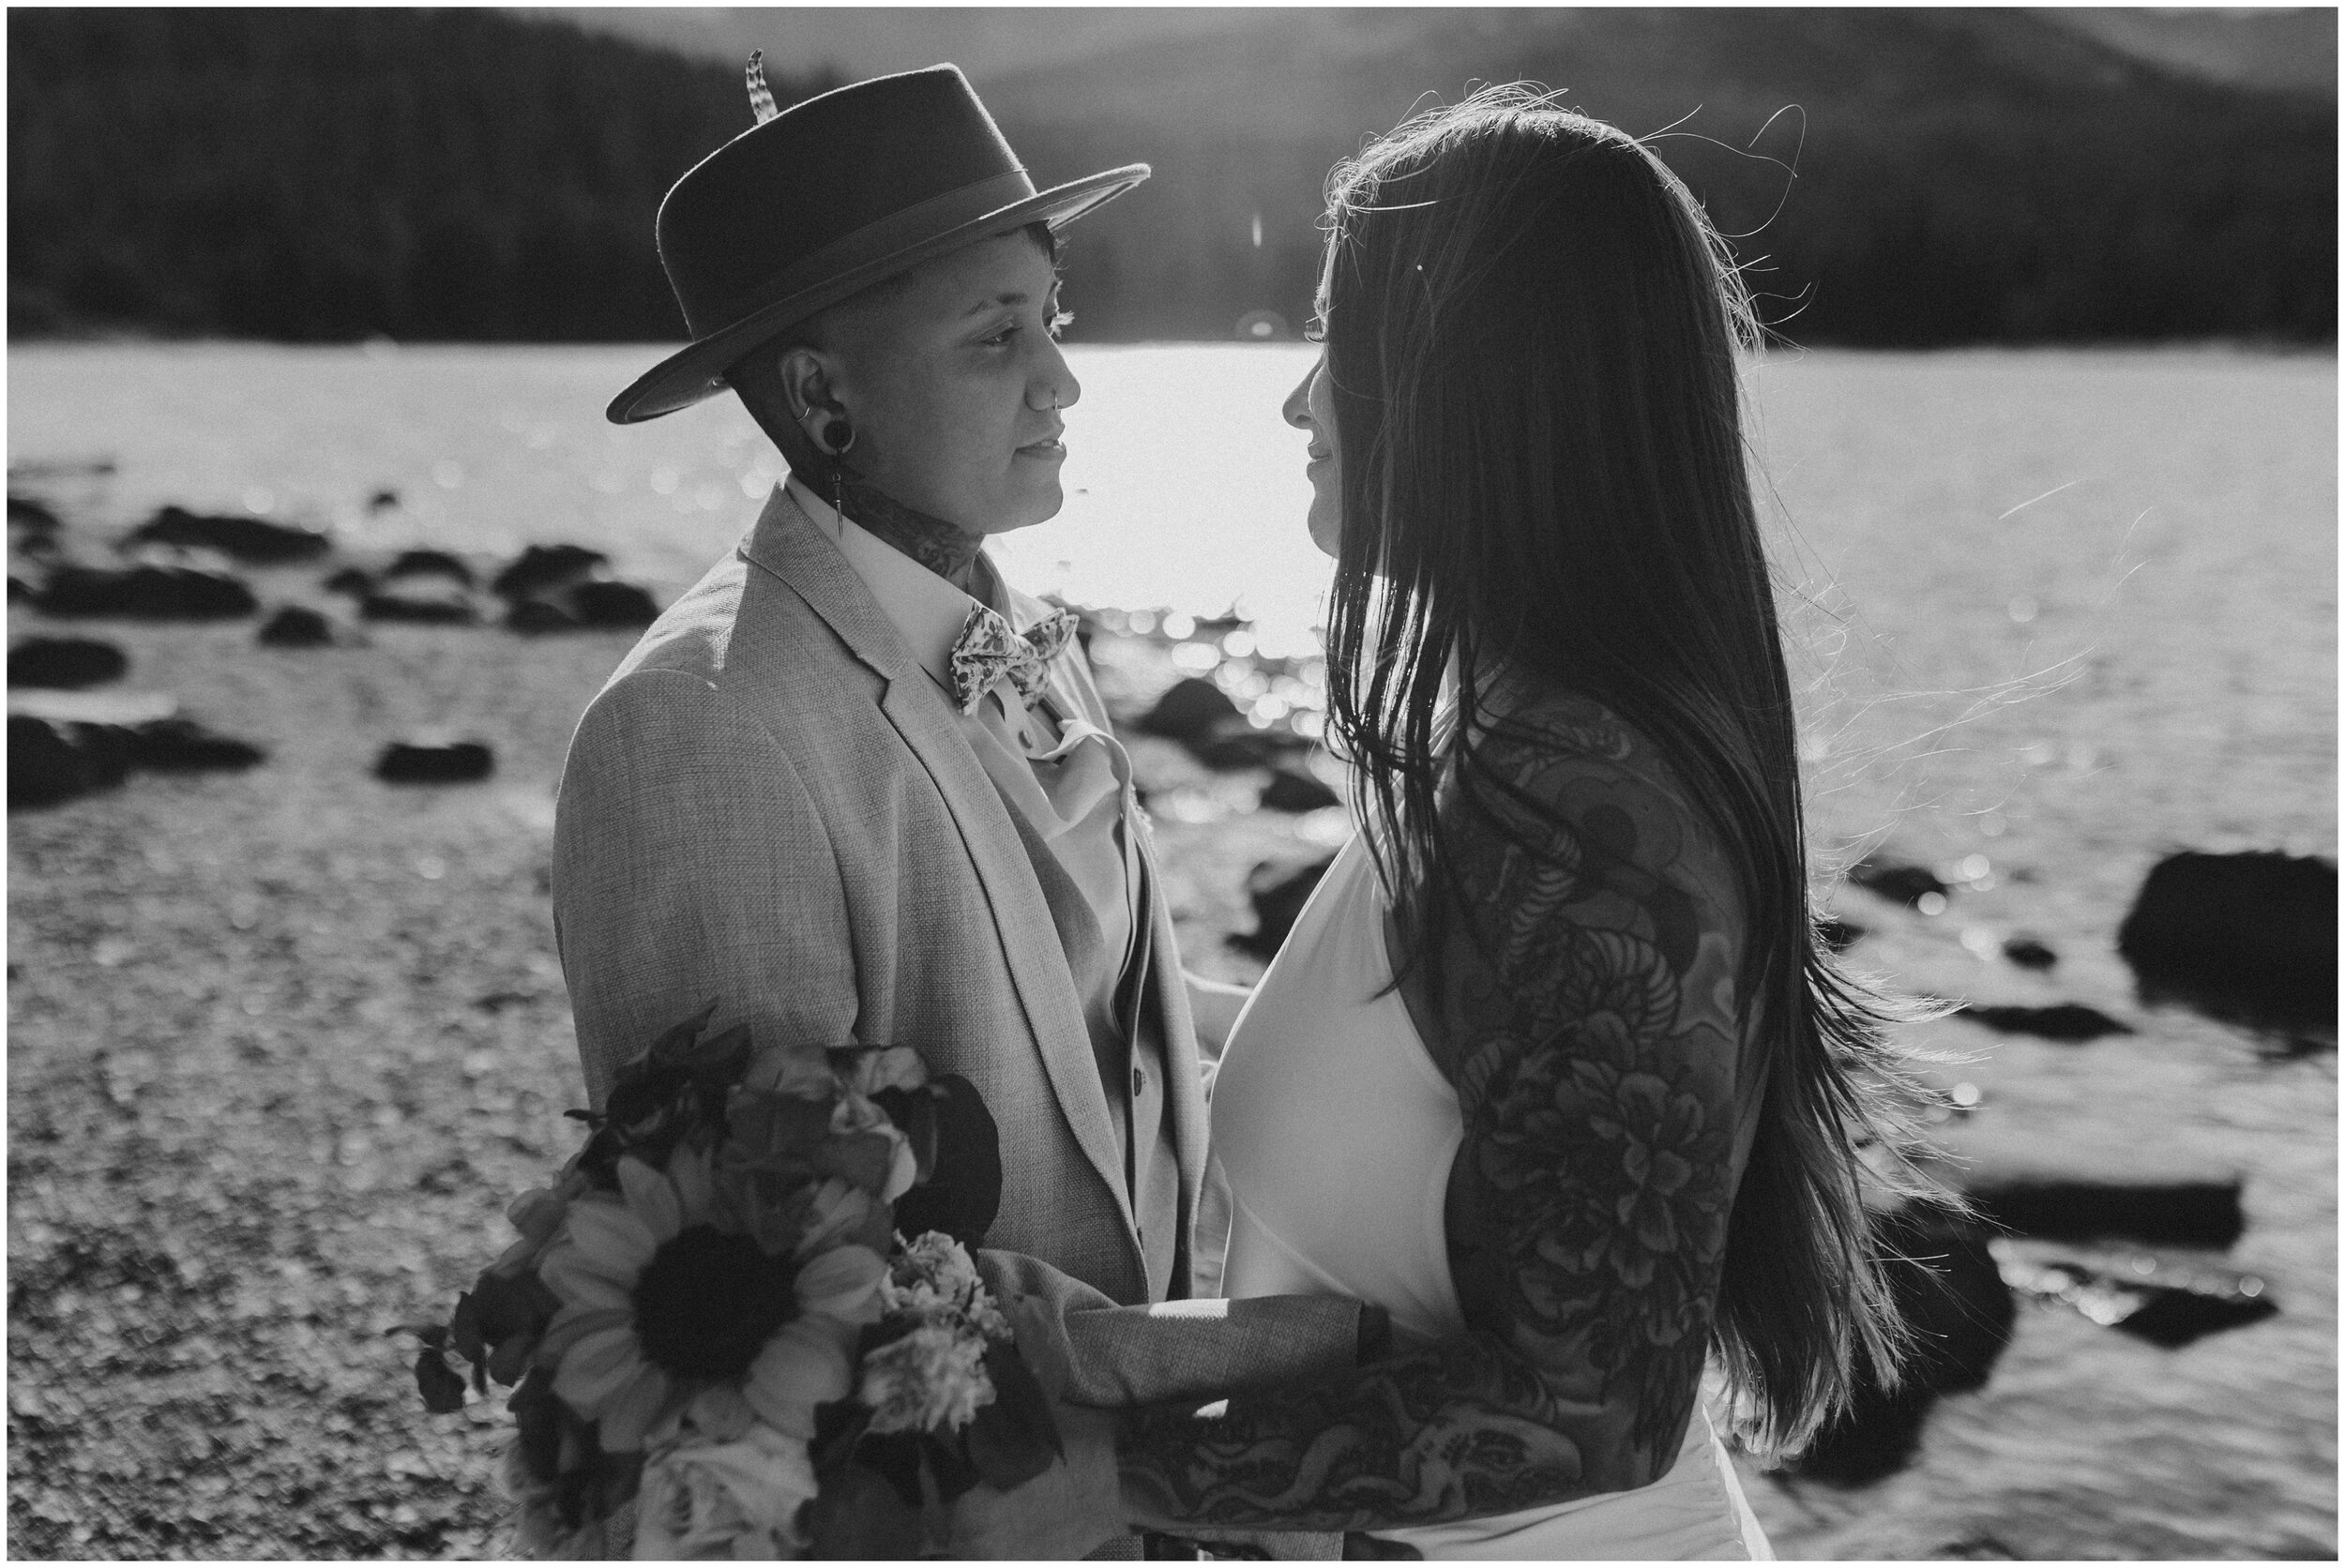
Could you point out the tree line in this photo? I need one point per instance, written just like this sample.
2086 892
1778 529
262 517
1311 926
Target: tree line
320 175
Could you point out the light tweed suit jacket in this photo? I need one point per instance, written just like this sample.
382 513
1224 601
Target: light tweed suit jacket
772 804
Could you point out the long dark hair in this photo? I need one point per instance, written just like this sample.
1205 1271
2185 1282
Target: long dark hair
1532 336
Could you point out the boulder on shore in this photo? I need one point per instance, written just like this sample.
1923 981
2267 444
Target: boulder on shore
183 745
428 601
296 626
52 762
65 663
2193 1212
34 517
1947 1286
2250 937
2146 1297
434 762
1189 711
1896 881
250 539
2029 952
429 562
2067 1020
541 568
1292 790
613 604
1279 892
146 593
563 588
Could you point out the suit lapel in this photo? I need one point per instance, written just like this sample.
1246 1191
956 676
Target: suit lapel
788 544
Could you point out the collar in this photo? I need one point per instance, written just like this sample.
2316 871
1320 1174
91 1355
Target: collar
927 610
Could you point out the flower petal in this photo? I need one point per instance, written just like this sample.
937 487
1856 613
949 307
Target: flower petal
801 1366
574 1323
578 1282
597 1368
651 1199
630 1412
611 1239
842 1282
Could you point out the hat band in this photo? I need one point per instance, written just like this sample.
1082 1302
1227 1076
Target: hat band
876 242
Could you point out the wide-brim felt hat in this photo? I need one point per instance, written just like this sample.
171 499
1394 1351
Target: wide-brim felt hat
824 199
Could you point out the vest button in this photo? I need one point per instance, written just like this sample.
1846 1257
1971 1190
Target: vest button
1139 1083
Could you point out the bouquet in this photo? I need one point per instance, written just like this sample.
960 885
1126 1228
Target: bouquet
714 1311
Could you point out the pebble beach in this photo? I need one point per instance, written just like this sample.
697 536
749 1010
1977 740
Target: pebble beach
285 1039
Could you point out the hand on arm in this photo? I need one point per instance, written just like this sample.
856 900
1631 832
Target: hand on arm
1591 1034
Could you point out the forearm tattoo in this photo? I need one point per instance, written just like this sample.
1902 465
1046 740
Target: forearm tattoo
1588 1021
943 548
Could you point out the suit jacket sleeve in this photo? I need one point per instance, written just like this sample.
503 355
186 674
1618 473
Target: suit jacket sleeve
689 866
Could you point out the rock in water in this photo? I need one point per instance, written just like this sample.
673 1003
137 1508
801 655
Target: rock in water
613 604
2067 1020
2173 1317
65 663
1896 881
427 562
250 539
183 745
296 627
2171 1213
1279 892
34 517
2145 1297
49 762
1292 790
1947 1286
434 762
353 581
429 601
2250 936
146 593
2028 953
1189 711
533 616
543 567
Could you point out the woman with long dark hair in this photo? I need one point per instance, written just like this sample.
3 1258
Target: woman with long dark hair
1553 1067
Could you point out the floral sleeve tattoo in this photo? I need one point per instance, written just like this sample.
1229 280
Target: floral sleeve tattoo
1590 1034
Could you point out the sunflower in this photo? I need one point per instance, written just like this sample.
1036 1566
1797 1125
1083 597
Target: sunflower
670 1308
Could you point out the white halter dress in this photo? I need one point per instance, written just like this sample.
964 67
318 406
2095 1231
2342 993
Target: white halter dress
1336 1133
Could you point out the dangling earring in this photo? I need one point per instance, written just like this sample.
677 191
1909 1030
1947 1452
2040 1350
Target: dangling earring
838 439
834 437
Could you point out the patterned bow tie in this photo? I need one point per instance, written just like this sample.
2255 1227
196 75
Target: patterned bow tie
990 648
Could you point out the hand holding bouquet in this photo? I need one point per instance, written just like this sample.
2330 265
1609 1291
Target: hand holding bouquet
712 1312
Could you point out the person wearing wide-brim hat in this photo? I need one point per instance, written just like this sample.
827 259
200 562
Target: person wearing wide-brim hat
851 784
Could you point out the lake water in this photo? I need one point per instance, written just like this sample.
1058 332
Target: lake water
2053 614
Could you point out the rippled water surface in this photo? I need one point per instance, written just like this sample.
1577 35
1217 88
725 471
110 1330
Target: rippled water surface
2054 614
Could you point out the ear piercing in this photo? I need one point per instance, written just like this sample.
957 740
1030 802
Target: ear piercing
834 435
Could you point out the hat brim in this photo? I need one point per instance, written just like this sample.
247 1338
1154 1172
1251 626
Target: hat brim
697 373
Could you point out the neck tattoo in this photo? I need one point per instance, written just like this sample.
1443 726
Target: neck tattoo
943 548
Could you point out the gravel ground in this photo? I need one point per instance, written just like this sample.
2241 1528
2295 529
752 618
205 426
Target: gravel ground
282 1045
